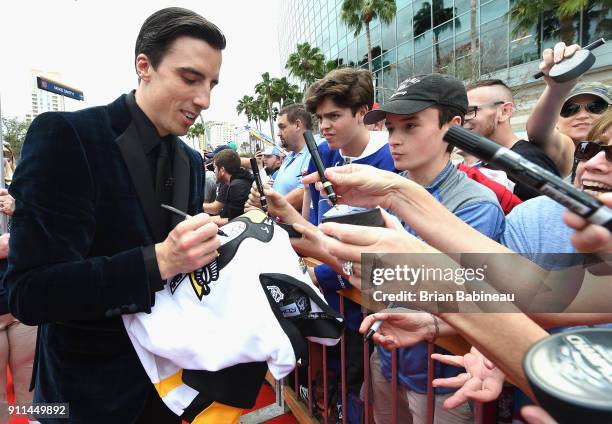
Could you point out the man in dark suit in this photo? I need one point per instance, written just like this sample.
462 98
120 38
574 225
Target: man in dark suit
89 241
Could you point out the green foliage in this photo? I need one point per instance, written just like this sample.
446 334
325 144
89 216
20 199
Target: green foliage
197 130
14 131
525 14
307 64
357 14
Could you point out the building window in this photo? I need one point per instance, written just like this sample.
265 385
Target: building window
405 50
461 6
494 45
462 23
388 35
422 18
493 9
404 25
389 75
443 10
404 69
596 23
423 41
423 62
524 47
444 55
362 50
352 53
443 32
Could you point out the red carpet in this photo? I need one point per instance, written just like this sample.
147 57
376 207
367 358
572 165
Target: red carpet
265 398
10 395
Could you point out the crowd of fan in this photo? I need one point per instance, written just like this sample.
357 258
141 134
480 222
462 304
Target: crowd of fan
409 170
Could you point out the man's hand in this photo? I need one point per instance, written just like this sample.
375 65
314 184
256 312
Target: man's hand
536 415
347 242
551 57
482 382
259 158
4 245
218 220
402 329
359 185
277 204
589 237
190 245
7 203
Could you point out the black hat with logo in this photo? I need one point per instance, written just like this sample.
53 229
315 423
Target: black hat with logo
417 93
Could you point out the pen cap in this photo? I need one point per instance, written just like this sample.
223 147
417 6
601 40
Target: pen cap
571 375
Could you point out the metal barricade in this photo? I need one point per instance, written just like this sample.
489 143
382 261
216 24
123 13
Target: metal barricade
483 413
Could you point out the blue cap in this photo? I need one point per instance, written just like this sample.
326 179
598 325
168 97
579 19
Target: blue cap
272 150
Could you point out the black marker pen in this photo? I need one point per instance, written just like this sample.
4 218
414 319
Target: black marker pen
262 196
532 175
316 158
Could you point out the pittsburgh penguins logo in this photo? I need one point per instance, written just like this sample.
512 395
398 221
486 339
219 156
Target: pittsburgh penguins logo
200 279
276 293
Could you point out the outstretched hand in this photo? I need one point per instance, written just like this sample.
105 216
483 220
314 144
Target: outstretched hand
482 381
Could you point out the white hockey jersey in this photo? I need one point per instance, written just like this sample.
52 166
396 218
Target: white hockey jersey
213 333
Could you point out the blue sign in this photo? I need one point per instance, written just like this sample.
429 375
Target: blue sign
57 88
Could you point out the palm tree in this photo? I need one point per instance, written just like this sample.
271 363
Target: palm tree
357 14
260 110
307 64
245 105
264 89
284 92
473 40
196 131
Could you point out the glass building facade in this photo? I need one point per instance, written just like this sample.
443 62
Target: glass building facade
436 36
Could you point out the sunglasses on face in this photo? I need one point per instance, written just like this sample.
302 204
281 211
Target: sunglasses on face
597 107
586 150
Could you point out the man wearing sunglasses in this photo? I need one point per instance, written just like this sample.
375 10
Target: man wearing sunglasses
565 112
490 108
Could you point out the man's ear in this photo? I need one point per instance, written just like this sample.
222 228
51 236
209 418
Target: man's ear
361 113
143 67
455 121
506 111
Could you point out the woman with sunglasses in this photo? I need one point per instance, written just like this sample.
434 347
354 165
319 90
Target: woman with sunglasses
565 112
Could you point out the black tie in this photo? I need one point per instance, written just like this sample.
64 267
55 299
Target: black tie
164 183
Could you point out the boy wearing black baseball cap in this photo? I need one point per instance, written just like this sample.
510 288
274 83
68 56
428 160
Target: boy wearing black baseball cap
417 116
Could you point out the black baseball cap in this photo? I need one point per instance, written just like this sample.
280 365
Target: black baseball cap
417 93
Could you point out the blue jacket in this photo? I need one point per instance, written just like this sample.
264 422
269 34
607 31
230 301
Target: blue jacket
328 279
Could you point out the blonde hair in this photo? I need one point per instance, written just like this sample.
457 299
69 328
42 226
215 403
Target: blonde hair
601 126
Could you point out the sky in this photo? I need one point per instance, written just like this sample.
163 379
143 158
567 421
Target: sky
91 44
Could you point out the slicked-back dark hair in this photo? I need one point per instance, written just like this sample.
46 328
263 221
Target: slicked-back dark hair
160 30
297 111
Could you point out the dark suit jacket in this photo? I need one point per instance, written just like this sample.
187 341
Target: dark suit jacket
85 210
